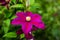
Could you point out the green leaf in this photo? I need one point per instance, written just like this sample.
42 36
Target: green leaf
22 36
10 35
32 2
7 22
14 1
13 17
34 6
20 0
6 25
7 12
17 6
0 12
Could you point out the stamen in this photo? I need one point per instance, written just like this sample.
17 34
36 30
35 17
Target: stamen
0 3
28 18
6 0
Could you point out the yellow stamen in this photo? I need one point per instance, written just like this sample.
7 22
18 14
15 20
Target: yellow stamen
28 18
6 0
0 3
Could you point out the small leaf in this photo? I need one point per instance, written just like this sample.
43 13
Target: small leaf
6 25
14 1
17 6
7 22
7 12
10 35
13 17
32 2
0 12
22 36
35 6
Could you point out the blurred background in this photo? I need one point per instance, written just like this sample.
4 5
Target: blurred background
48 9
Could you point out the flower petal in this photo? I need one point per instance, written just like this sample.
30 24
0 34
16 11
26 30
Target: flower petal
21 15
28 13
36 18
26 27
39 25
16 21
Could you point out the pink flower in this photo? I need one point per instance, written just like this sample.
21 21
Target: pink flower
27 20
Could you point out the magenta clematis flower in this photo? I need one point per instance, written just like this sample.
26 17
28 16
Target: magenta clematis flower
27 19
4 2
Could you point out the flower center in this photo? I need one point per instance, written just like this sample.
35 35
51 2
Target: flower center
0 3
6 0
28 18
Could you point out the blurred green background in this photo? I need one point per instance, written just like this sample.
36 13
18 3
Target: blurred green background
48 9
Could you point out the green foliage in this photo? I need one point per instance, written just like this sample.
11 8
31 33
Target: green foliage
10 35
48 9
6 25
17 6
22 36
32 2
14 1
